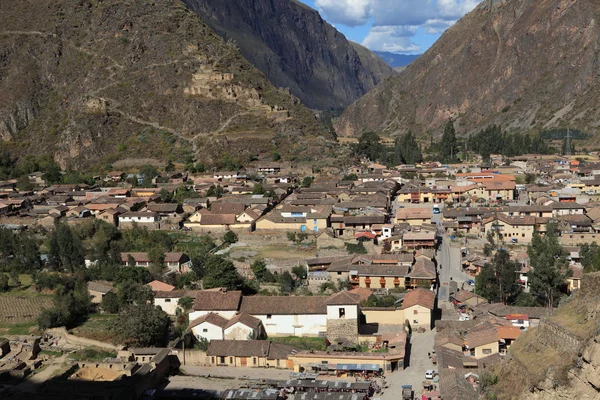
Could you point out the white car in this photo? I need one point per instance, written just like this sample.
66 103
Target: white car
429 374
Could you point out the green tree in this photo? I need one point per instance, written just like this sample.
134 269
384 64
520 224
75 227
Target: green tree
166 196
110 303
350 177
590 257
142 325
258 189
299 271
70 307
157 261
286 283
407 150
186 303
307 181
230 237
170 167
549 265
24 184
449 143
219 272
133 293
65 249
53 174
261 272
148 173
369 146
215 191
4 287
497 279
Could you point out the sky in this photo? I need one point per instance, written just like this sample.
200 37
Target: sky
396 26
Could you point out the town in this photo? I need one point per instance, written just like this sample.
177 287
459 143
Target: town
279 280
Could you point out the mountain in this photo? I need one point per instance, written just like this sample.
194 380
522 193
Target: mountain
296 49
528 65
397 60
91 82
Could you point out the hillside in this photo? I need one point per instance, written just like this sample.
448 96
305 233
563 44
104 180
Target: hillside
560 359
528 65
90 82
296 49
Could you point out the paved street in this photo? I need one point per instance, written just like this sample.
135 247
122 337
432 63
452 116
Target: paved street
414 373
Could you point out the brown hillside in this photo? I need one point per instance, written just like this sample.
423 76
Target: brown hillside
95 81
528 65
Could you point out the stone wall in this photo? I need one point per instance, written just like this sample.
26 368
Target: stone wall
342 328
80 341
560 339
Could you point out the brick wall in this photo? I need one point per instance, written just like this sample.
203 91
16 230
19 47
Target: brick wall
342 328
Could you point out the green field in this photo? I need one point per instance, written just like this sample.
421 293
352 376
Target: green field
97 327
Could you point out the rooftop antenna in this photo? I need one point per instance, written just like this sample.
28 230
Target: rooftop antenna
568 144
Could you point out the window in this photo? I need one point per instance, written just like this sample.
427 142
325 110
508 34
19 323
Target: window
205 330
415 312
167 300
230 360
342 312
415 321
487 351
254 360
339 272
269 316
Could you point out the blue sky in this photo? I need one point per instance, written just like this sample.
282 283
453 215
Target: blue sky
397 26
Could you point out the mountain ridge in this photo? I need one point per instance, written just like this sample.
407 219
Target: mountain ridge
526 65
296 49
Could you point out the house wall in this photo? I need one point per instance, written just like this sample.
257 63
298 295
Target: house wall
523 233
350 312
338 276
384 316
376 282
208 331
238 332
418 316
494 348
231 361
96 296
307 360
294 325
167 305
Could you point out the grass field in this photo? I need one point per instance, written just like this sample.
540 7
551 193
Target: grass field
22 328
91 354
302 343
97 327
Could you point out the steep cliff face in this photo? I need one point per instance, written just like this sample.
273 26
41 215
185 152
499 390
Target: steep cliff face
296 49
95 81
528 65
561 358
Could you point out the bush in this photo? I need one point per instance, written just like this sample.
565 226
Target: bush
358 248
230 237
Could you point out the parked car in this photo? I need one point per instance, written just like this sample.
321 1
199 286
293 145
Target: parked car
471 282
407 392
429 374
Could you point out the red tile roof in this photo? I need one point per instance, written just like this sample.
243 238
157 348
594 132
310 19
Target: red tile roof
421 297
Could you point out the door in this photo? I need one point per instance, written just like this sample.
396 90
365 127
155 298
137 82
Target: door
303 228
244 361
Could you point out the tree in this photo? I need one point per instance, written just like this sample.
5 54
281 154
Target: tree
53 174
590 257
286 283
449 144
497 279
133 293
4 287
350 177
369 146
261 272
215 191
219 272
110 303
307 181
258 189
157 261
70 306
299 271
186 303
166 196
230 237
407 149
142 325
549 266
170 167
65 249
148 173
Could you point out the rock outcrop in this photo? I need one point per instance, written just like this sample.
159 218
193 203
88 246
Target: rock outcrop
91 82
528 65
296 49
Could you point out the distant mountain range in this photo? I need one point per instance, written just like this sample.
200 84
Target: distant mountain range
397 60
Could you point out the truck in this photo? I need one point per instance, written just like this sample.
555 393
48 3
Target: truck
407 392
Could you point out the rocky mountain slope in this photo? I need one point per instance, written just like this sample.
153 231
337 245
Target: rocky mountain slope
296 49
397 60
529 65
94 81
560 359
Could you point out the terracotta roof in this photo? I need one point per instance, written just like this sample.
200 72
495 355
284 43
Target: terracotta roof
423 269
342 299
481 337
102 287
414 213
211 318
399 271
244 318
508 332
227 208
164 207
249 348
158 286
362 293
283 305
217 300
218 219
421 297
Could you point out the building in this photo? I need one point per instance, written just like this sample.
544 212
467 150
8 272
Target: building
214 327
414 216
98 290
138 218
249 353
418 306
174 261
516 229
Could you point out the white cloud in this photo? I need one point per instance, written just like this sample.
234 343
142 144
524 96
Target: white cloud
392 18
393 39
347 12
